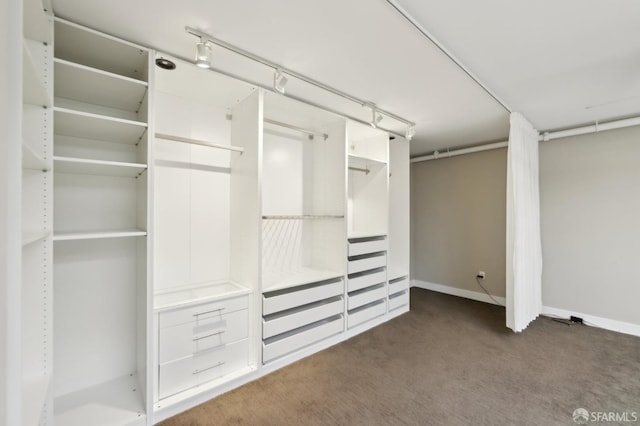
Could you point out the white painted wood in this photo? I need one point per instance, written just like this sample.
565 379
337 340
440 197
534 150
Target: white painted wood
301 276
87 235
366 313
93 86
304 337
180 375
84 46
84 166
202 313
202 293
301 317
398 284
37 24
277 302
367 279
35 91
366 296
370 246
113 403
398 255
97 127
398 300
32 160
378 260
190 338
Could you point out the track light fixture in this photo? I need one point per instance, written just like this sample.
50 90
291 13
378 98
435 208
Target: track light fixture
203 54
279 81
376 117
411 132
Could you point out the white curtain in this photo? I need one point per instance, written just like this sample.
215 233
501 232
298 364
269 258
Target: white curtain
524 249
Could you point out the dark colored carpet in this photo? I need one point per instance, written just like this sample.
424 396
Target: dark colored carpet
450 361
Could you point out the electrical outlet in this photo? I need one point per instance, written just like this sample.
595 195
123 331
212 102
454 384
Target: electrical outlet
481 274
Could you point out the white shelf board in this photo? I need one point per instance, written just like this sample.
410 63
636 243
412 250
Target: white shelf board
97 127
85 166
34 397
117 402
393 274
31 160
197 294
365 235
90 85
29 237
34 90
364 162
93 235
299 277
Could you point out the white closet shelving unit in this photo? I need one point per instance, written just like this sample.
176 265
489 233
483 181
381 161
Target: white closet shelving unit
100 251
37 214
303 226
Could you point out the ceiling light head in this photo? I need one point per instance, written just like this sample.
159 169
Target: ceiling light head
411 132
203 54
279 81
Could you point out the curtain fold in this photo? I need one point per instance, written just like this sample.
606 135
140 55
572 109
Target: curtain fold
524 248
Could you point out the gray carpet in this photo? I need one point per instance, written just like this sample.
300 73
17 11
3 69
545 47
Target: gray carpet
450 361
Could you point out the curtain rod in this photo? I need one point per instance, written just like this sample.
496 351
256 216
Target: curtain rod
292 73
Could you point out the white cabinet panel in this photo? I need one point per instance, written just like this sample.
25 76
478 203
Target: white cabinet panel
301 339
366 263
359 247
366 280
202 313
282 324
363 297
292 299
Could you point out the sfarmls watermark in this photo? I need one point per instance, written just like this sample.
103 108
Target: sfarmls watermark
581 416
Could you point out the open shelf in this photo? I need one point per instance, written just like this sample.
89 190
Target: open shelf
34 90
363 162
34 397
90 85
31 160
97 167
86 125
117 402
302 276
208 292
30 237
93 235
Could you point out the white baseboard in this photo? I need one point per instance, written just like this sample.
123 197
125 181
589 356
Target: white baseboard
454 291
592 320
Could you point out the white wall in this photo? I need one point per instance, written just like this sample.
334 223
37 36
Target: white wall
590 218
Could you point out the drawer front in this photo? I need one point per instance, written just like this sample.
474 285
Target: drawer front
398 300
398 286
284 301
366 280
364 315
180 375
364 247
202 312
278 348
183 340
282 324
367 263
366 297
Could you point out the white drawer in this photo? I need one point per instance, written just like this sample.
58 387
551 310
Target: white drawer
183 340
366 263
398 285
362 298
398 300
284 323
365 314
367 246
202 312
281 301
305 337
180 375
366 280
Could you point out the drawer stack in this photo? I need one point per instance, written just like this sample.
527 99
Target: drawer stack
367 277
398 292
200 343
300 316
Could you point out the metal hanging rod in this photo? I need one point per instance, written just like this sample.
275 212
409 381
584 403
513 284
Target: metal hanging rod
358 169
302 217
311 133
294 74
198 142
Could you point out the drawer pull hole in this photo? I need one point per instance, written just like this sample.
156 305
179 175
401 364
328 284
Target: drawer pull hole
208 312
208 335
209 368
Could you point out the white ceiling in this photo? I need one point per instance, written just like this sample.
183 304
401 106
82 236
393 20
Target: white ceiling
559 58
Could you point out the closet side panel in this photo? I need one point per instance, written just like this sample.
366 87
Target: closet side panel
399 224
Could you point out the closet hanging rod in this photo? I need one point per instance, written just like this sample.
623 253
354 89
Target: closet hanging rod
311 133
302 217
358 169
198 142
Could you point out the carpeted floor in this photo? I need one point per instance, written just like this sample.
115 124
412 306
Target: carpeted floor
450 361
